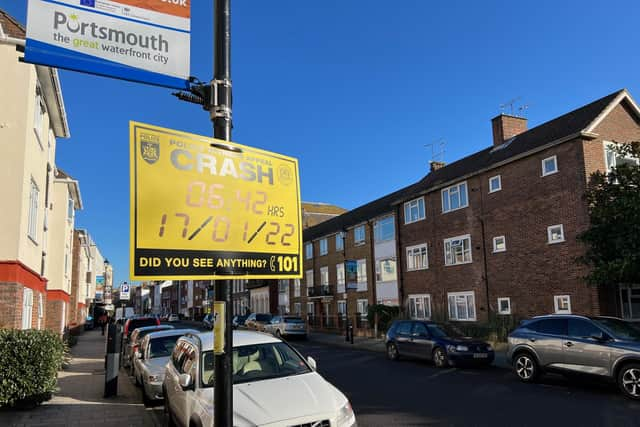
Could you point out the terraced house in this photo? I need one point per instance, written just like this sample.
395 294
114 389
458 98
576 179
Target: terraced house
492 234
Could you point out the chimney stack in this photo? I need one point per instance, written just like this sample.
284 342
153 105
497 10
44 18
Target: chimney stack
506 127
434 166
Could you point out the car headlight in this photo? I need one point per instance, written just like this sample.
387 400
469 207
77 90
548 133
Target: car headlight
346 417
489 348
454 348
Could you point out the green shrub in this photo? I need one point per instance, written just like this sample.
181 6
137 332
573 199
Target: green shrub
29 363
386 314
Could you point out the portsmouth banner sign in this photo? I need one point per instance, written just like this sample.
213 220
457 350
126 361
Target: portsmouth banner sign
145 41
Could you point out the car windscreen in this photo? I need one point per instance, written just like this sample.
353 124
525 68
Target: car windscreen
440 331
257 363
293 320
263 317
620 329
163 346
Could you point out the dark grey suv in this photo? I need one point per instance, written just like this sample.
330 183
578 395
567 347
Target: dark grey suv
603 346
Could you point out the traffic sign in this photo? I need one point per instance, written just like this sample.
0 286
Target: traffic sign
124 292
137 40
203 208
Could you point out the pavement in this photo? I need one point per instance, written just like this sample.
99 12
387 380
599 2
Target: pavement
79 400
378 345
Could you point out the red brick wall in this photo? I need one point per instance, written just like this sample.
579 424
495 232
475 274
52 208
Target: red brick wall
10 305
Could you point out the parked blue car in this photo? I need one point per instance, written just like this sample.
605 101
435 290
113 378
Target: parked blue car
440 343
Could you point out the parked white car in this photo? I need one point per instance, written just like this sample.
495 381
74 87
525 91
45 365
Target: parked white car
273 385
151 358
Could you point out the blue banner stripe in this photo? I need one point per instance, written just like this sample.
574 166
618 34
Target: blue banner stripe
37 52
116 16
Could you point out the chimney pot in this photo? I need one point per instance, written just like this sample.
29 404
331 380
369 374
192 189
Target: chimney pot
506 127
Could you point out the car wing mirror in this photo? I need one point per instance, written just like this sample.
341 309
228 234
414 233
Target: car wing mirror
312 362
599 336
185 381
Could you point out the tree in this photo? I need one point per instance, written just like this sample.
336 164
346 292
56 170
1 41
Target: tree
613 238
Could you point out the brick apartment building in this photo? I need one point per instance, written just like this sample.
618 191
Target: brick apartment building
492 234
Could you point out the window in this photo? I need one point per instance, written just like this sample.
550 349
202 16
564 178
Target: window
308 250
549 165
384 229
504 305
555 234
579 328
283 286
296 308
362 275
454 197
562 304
339 242
358 235
38 115
495 184
613 159
342 308
457 250
309 277
40 310
420 306
363 306
33 211
340 276
324 248
417 258
310 308
27 308
70 209
414 210
462 306
499 244
324 276
549 326
386 270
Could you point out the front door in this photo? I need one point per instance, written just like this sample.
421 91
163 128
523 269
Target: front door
403 338
582 352
421 343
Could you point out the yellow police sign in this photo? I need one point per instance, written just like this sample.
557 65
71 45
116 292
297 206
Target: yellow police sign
203 208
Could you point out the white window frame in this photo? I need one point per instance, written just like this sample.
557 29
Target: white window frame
379 269
491 189
40 310
556 304
412 256
508 309
311 309
608 148
448 191
70 208
324 246
308 276
308 250
362 275
377 226
324 276
362 307
495 244
555 163
549 233
296 287
425 301
342 308
356 240
340 277
457 315
414 204
449 259
27 308
340 241
34 196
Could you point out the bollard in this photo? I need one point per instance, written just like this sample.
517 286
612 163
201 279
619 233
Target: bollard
112 361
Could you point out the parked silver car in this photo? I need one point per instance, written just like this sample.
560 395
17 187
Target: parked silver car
283 326
607 347
151 358
134 341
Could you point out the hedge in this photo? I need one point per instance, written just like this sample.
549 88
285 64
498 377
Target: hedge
29 364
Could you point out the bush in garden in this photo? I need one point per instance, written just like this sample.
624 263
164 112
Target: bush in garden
386 314
29 363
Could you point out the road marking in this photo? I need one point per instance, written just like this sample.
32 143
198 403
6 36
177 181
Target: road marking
448 371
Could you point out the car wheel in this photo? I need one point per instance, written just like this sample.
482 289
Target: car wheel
629 380
440 358
526 367
392 352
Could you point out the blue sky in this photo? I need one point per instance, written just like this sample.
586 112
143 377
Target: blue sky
355 90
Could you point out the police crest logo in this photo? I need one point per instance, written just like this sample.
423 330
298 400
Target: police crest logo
150 151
